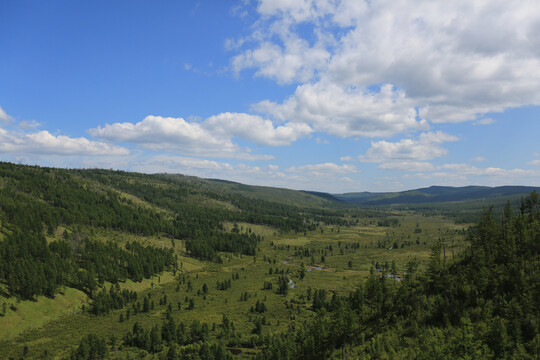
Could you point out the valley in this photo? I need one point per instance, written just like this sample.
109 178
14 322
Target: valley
238 274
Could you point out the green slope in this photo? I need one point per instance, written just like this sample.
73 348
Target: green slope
285 196
76 245
437 194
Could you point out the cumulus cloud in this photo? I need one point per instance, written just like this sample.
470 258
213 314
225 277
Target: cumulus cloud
164 133
255 129
408 151
29 124
295 61
4 117
534 162
45 143
211 137
349 111
437 61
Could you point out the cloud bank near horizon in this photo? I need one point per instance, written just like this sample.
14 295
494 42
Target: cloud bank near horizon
399 75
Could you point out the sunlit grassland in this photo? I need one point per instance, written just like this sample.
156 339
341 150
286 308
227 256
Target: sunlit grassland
134 200
261 230
24 315
213 203
59 335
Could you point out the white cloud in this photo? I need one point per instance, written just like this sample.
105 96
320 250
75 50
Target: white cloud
463 174
186 165
29 124
205 168
426 147
534 162
348 112
295 61
4 117
441 61
153 129
346 158
326 169
211 137
44 143
408 166
466 170
254 175
437 137
166 133
233 44
254 128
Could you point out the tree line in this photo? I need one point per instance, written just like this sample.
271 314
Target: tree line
485 305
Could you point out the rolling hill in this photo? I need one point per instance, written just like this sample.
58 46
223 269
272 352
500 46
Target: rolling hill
436 194
112 264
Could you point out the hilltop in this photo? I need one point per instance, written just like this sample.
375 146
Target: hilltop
436 194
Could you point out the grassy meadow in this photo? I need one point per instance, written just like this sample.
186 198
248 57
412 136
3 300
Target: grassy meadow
339 259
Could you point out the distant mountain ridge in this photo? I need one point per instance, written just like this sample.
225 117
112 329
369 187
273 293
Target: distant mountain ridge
432 194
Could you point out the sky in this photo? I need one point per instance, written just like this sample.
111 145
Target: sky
324 95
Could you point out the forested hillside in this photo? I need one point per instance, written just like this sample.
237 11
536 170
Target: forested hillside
175 267
486 305
436 194
35 201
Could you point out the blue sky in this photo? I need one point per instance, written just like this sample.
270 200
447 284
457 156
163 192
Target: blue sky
334 96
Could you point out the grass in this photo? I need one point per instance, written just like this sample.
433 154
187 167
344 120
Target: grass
34 314
261 230
59 334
